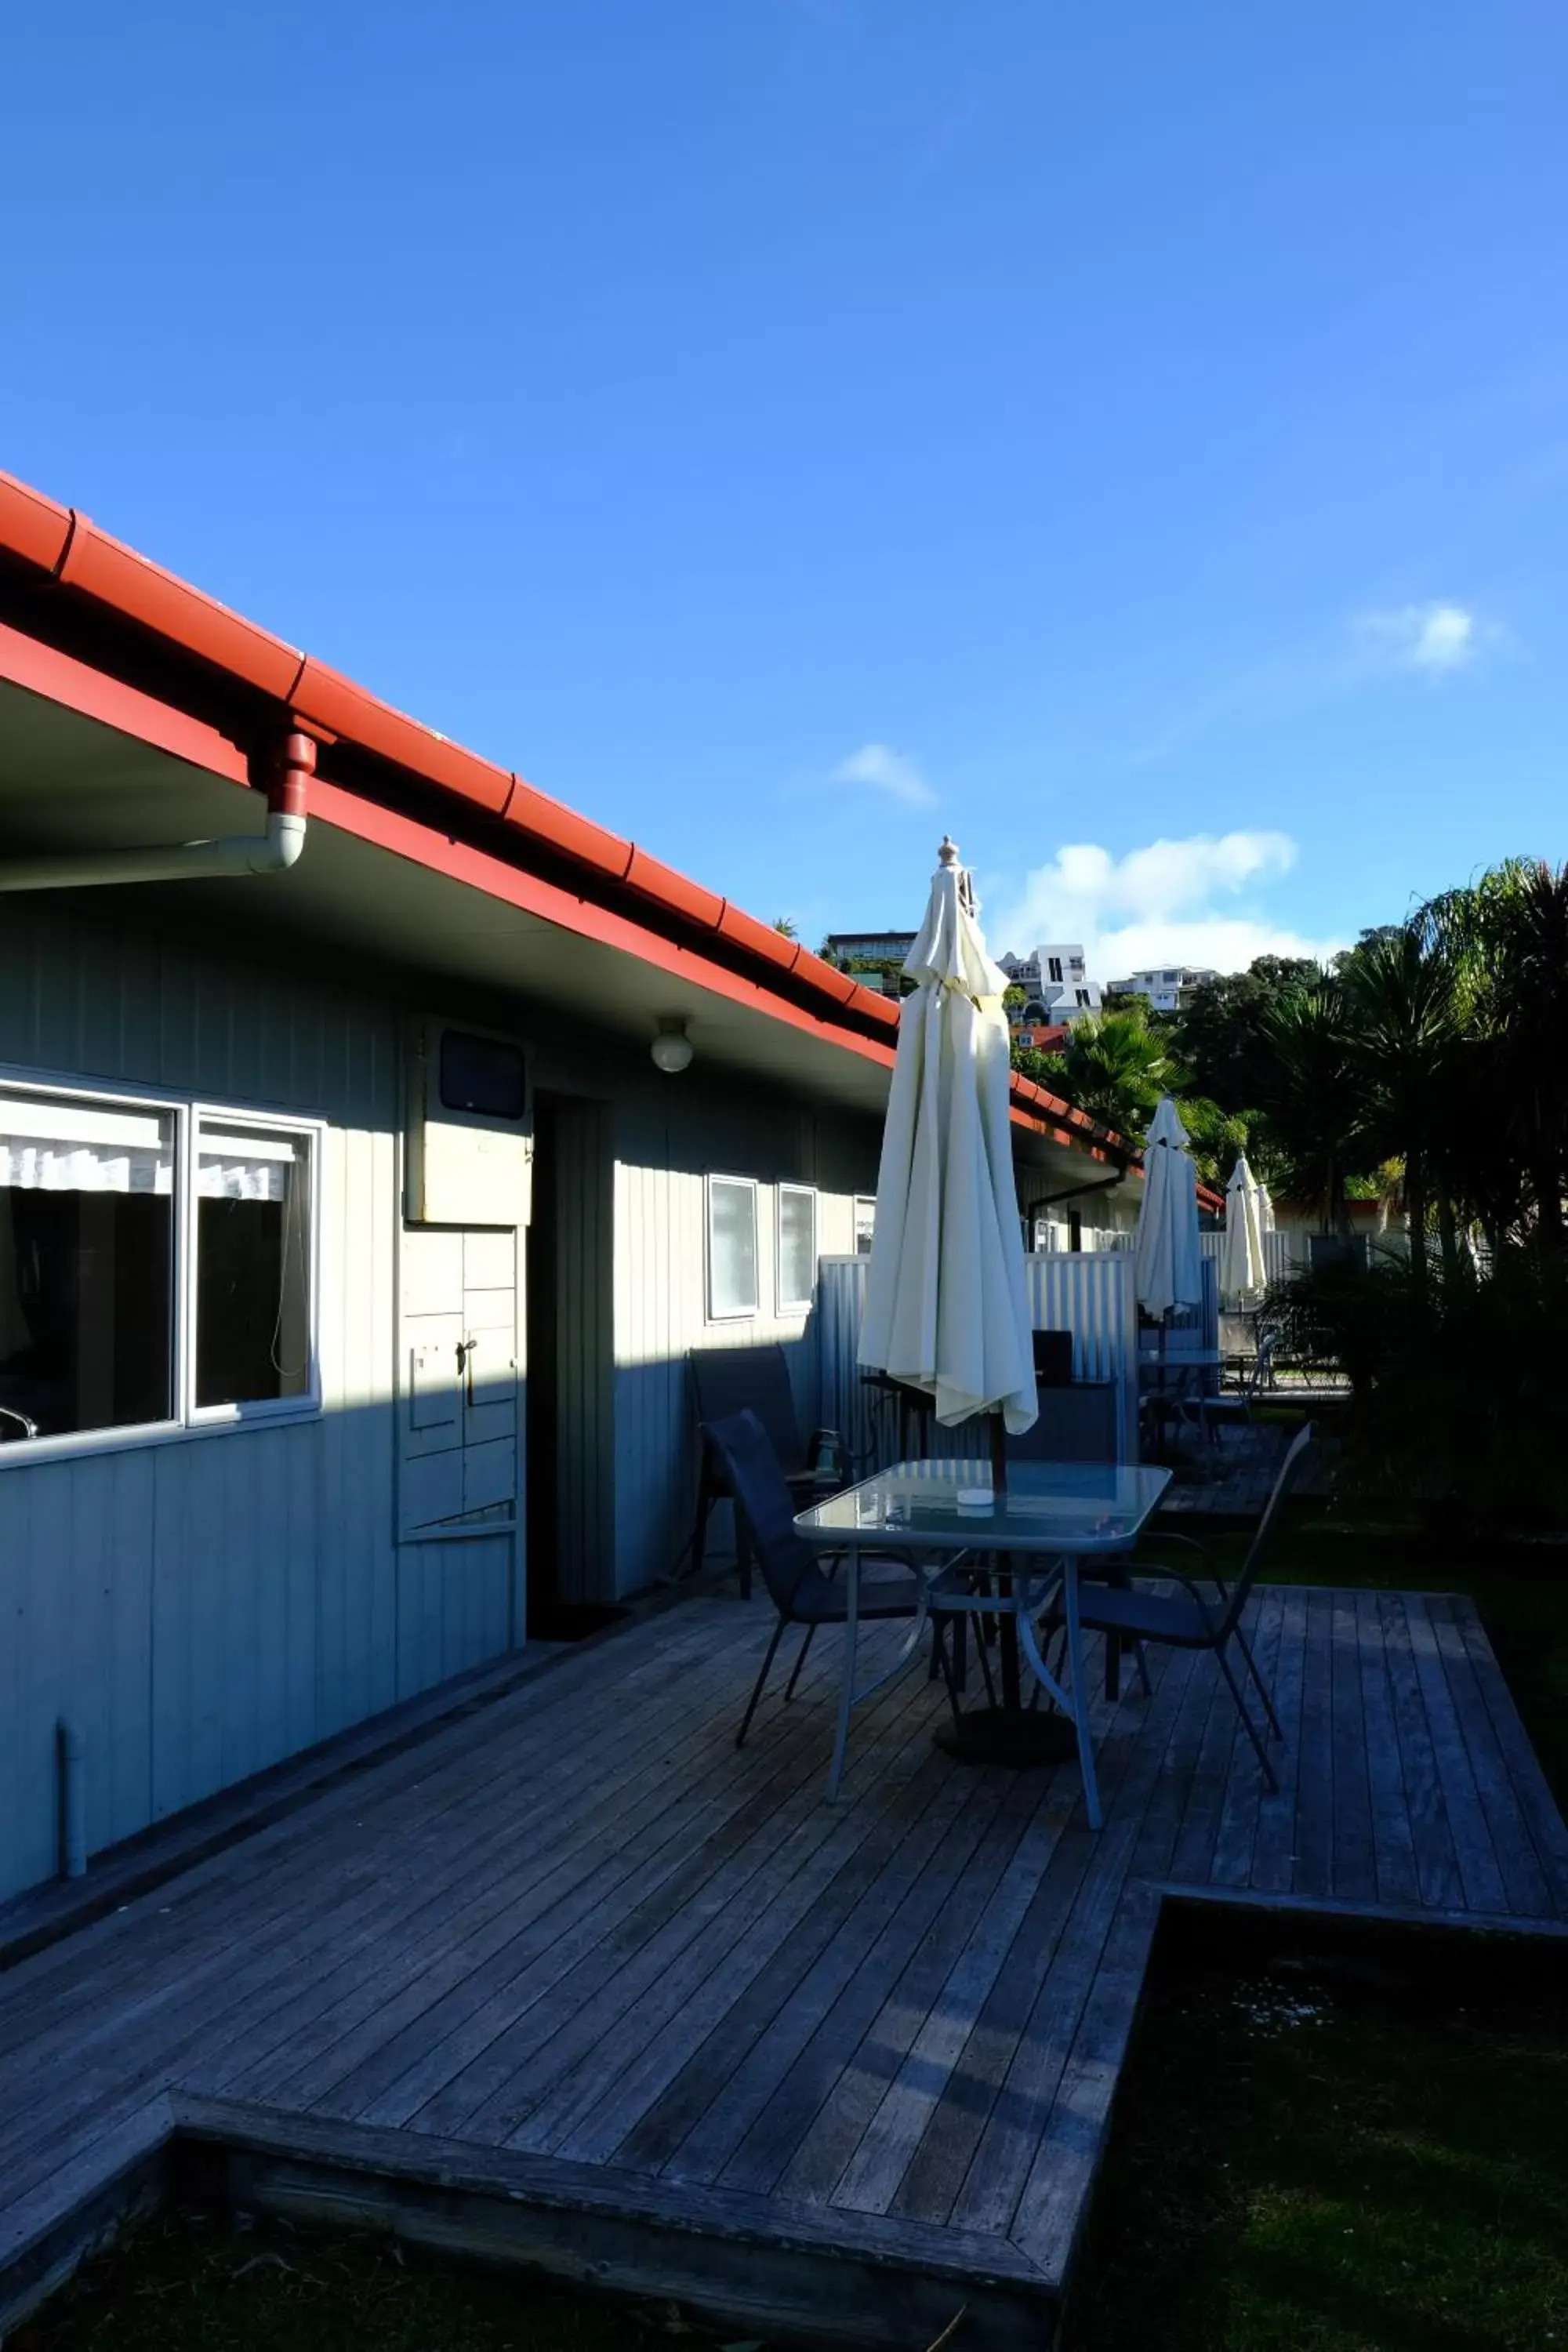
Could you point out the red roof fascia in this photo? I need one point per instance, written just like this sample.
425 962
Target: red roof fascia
55 675
63 544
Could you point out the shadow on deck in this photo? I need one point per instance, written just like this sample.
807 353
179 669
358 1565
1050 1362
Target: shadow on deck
572 1981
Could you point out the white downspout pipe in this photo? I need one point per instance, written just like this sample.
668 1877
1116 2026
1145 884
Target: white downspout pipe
271 852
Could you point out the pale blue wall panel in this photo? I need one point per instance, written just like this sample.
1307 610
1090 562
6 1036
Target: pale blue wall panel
667 1139
206 1607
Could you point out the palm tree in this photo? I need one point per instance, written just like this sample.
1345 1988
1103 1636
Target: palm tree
1215 1138
1506 936
1115 1068
1306 1095
1404 1023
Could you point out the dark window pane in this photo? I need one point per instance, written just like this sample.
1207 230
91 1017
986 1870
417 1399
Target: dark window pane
482 1075
86 1267
253 1266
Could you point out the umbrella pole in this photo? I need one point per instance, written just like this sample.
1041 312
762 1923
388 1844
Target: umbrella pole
1012 1678
1007 1732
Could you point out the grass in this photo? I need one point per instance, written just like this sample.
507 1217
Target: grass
178 2285
1322 2158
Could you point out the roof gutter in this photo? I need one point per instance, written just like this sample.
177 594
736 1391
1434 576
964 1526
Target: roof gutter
61 554
273 851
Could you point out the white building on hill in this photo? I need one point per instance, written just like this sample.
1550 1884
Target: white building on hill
1168 987
1054 981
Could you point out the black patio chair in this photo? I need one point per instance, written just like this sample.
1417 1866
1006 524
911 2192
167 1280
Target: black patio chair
1232 1408
1186 1621
801 1590
728 1381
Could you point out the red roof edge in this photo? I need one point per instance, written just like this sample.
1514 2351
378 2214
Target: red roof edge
62 544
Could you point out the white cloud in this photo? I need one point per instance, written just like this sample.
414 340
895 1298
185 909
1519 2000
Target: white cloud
884 771
1157 905
1435 638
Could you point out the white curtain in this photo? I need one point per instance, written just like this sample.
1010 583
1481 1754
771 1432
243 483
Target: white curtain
58 1147
74 1147
245 1166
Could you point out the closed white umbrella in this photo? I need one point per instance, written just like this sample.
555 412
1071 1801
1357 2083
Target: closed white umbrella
947 1309
1243 1269
1170 1271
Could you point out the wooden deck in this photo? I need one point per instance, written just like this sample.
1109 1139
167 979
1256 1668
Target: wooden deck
572 1980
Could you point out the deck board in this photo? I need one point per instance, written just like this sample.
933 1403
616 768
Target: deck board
578 1938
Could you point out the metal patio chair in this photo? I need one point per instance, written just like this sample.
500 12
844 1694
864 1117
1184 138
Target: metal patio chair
729 1381
1186 1620
1232 1408
803 1592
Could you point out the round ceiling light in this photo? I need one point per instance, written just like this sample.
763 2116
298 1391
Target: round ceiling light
671 1049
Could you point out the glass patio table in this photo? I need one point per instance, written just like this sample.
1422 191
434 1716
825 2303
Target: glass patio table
1034 1531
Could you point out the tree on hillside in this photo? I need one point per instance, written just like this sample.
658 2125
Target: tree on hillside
1220 1039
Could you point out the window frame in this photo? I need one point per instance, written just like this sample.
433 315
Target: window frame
730 1314
252 1410
785 1308
860 1201
188 1421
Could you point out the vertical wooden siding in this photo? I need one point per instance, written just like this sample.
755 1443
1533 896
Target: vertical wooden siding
206 1606
666 1143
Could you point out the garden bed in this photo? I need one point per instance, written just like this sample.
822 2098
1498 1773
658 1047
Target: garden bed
1335 2143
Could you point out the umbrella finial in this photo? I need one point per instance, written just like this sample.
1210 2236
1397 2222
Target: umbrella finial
949 859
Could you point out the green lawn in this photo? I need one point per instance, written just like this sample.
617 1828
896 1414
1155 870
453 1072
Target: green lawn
1308 2160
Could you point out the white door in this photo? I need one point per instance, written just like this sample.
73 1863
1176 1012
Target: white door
457 1416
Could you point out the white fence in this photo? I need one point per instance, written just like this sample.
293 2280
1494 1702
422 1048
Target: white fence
1283 1254
1088 1293
1287 1253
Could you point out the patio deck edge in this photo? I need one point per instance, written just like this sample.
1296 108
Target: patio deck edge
128 2178
794 2273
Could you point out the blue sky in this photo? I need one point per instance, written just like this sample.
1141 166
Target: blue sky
1134 439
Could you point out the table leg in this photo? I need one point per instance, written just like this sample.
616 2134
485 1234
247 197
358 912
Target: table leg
1079 1692
846 1695
1012 1682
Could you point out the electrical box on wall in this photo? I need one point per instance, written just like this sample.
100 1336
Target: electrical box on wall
469 1157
